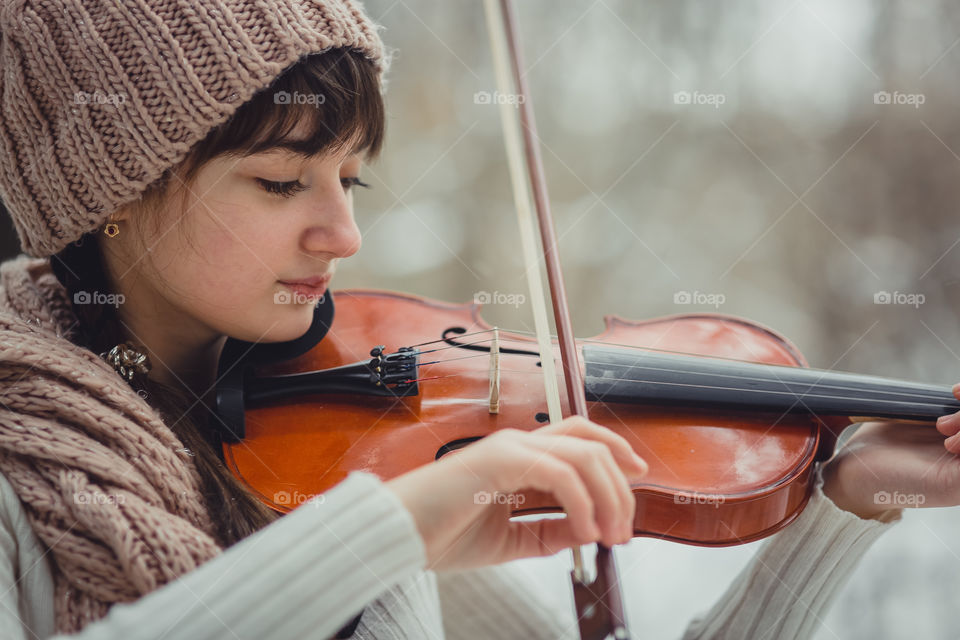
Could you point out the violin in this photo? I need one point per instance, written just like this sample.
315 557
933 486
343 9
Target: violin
725 411
730 427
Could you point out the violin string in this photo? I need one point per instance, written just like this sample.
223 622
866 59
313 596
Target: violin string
504 337
454 346
910 398
463 335
478 355
923 393
607 343
791 394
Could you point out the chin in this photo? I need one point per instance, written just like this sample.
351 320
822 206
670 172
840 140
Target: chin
282 324
291 324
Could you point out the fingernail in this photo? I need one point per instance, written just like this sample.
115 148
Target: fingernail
956 388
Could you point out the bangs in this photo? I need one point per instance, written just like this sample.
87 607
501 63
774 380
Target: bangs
333 96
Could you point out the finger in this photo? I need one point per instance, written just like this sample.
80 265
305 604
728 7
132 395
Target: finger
949 425
628 503
623 525
952 444
956 391
611 493
628 465
632 464
550 474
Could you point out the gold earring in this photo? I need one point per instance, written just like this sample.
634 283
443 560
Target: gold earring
111 229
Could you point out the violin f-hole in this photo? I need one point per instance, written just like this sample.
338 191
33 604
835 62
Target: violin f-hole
454 445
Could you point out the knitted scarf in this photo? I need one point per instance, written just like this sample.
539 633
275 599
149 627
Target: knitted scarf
107 487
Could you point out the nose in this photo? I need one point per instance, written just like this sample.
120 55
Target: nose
333 230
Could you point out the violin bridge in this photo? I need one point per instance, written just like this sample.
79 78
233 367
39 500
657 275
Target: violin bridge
494 401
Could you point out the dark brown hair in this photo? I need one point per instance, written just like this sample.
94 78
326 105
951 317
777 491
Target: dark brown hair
349 116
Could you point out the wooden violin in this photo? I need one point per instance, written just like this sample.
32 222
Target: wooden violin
730 427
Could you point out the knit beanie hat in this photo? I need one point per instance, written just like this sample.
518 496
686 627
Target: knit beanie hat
99 98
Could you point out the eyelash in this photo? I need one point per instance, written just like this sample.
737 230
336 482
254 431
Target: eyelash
289 189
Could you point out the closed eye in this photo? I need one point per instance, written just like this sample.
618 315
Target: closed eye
289 189
285 189
353 181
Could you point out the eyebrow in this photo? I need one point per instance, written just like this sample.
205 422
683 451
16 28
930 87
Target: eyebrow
304 149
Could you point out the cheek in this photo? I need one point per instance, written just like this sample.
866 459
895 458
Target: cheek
227 267
234 258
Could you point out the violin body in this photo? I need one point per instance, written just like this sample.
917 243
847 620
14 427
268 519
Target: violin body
717 477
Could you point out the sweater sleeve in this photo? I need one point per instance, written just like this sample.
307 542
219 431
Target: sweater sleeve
503 601
787 588
305 575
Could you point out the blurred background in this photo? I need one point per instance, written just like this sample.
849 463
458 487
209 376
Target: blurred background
795 163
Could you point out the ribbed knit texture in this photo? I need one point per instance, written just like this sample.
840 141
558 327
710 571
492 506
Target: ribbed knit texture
787 588
303 576
107 486
98 99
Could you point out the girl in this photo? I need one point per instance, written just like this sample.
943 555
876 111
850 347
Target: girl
170 169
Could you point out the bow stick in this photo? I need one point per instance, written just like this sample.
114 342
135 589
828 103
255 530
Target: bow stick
598 602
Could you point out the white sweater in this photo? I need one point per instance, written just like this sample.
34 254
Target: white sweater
309 573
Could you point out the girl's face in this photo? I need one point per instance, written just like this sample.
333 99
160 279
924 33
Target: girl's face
218 261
